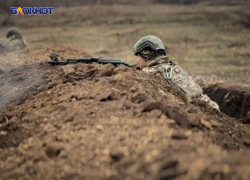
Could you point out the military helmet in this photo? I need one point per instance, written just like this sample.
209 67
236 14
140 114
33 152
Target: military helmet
14 31
150 41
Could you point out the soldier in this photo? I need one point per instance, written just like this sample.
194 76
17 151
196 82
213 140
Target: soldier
150 51
16 41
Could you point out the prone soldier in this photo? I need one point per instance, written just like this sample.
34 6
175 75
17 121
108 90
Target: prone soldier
15 42
151 53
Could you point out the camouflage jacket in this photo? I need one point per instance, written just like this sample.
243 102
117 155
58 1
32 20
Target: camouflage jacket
13 45
177 77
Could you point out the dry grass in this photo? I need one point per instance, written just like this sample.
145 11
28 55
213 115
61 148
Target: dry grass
202 39
115 14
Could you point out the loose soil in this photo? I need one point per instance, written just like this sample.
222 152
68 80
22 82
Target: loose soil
91 121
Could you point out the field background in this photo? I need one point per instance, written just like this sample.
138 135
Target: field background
101 122
209 39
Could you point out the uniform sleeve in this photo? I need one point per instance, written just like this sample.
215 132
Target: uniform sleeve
150 70
176 76
204 99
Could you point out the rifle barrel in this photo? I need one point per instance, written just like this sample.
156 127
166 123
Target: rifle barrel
88 61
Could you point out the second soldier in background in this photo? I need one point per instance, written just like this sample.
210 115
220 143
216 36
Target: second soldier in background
15 42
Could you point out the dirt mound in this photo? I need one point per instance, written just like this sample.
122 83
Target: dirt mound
23 74
103 122
22 82
12 60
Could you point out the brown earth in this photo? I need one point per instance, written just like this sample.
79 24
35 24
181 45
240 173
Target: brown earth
18 76
92 121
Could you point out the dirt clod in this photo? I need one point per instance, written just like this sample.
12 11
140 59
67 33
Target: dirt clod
108 96
179 135
140 97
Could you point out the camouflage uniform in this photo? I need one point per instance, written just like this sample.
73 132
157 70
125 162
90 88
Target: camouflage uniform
15 43
174 75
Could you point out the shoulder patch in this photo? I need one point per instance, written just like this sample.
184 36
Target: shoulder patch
177 70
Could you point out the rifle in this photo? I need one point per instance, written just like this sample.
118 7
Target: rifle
115 62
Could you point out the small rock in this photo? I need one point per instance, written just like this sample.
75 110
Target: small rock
194 119
99 127
49 92
215 123
149 106
206 124
155 113
54 102
107 96
106 151
14 119
139 97
163 118
3 133
179 135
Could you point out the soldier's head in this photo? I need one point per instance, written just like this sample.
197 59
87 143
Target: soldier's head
149 48
14 33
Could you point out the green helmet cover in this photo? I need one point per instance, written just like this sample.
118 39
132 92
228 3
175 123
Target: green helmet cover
148 41
14 31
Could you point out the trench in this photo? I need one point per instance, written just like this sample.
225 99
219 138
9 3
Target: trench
233 100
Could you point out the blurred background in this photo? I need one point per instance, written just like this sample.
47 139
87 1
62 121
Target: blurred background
208 38
66 3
